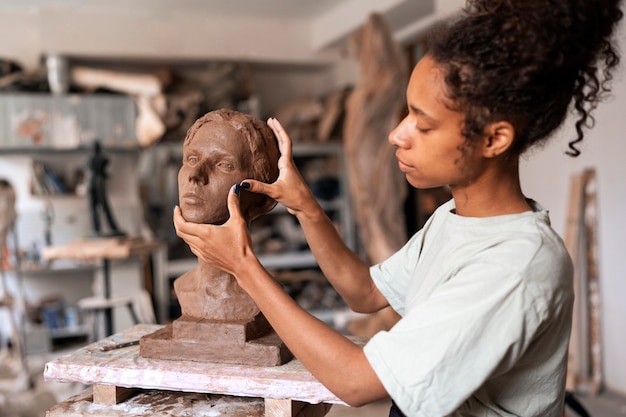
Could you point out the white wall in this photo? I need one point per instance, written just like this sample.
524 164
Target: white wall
114 33
546 176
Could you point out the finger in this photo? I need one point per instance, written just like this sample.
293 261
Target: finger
258 187
183 228
178 218
233 203
179 224
284 141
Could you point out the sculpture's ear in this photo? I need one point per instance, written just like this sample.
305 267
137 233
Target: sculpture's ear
255 205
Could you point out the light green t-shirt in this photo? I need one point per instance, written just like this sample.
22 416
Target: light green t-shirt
486 306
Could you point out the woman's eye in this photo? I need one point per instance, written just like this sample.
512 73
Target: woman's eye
423 129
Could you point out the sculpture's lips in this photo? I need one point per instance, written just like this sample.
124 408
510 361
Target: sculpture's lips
190 198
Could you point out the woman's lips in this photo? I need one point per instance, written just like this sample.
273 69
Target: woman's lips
403 167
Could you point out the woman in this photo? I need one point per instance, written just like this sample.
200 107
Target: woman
485 288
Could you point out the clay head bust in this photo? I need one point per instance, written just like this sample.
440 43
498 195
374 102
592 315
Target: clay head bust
221 149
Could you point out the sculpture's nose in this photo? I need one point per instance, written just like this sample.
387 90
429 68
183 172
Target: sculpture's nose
200 174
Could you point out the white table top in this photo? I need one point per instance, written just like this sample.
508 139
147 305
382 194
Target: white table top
126 368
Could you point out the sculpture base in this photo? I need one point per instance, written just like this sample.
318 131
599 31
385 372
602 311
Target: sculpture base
240 343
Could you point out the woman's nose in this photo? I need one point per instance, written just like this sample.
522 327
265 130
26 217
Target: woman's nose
398 136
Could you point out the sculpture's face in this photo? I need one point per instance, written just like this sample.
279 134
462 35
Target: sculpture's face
217 158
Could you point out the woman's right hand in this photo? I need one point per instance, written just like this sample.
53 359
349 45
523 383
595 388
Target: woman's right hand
289 189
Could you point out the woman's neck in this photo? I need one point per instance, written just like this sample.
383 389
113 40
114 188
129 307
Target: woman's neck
497 191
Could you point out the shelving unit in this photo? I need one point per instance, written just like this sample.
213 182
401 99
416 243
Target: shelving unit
52 320
58 132
337 203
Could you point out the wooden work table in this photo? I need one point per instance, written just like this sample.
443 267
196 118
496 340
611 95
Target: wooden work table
112 373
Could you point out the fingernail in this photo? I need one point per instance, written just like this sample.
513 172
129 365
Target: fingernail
236 189
245 185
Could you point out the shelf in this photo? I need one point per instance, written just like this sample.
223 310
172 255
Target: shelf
177 267
308 149
287 260
304 259
336 204
33 121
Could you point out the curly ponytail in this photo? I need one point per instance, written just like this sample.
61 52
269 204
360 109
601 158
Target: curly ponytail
527 62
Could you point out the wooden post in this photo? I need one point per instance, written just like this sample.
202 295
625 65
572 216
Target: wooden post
585 349
111 394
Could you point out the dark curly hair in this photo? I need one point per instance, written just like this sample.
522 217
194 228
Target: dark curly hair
527 61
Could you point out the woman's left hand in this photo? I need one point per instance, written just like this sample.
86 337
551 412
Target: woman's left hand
225 247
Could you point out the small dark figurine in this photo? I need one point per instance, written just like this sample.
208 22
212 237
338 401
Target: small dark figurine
97 192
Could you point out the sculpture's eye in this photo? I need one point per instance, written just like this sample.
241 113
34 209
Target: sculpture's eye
226 166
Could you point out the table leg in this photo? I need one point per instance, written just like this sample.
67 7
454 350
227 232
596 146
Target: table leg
290 408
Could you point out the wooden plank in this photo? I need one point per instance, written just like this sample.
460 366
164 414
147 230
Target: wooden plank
572 232
111 394
126 368
278 408
595 375
111 248
584 362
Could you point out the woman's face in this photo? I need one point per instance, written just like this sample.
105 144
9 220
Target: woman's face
429 141
215 159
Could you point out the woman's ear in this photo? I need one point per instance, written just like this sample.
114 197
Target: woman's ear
498 139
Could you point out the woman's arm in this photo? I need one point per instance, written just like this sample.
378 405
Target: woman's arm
319 347
348 274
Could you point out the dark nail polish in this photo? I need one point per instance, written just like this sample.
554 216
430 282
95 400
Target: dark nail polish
236 189
245 185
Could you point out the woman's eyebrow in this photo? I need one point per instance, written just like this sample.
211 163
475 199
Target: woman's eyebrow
421 113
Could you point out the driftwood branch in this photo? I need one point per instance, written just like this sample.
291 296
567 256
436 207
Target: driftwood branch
377 187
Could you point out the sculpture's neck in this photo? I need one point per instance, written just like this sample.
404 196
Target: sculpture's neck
209 273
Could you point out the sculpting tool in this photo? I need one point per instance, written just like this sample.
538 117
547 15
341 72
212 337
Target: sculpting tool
118 345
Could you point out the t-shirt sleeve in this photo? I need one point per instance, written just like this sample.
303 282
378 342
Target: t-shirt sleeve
446 347
392 276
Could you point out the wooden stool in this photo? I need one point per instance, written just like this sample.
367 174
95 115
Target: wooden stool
95 307
160 403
